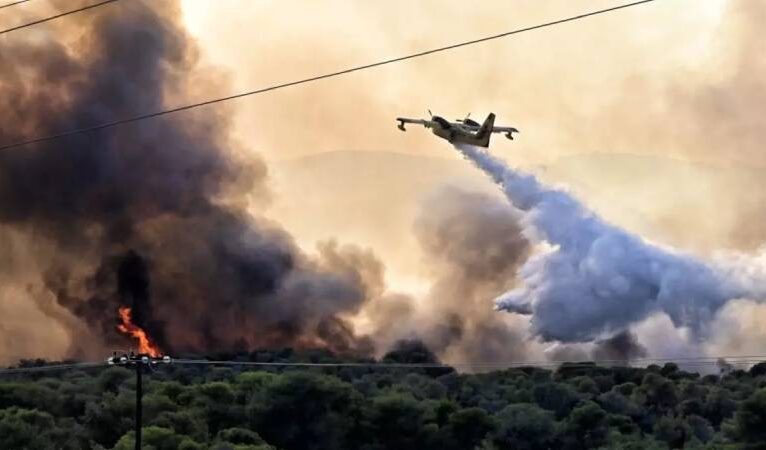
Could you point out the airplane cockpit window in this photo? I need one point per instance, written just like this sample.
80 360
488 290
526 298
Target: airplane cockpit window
441 121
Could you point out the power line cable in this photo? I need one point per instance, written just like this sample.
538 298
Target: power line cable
55 367
50 18
443 366
691 361
698 364
316 78
8 5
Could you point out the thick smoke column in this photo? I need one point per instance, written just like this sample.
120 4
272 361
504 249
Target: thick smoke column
151 215
598 279
473 246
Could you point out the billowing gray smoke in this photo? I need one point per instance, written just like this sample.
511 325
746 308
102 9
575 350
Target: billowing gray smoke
150 215
597 279
623 346
474 247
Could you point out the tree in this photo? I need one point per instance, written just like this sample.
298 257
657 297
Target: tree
190 423
657 393
240 437
111 417
585 385
622 424
468 427
557 397
719 405
113 378
673 431
28 395
750 420
217 400
700 428
523 426
758 369
616 403
25 429
157 438
302 410
586 427
397 421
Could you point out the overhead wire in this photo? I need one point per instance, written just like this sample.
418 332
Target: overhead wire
317 77
50 368
54 17
689 361
8 5
699 361
444 366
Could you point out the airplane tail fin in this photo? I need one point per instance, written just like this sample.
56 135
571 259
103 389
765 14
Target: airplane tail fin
485 131
486 127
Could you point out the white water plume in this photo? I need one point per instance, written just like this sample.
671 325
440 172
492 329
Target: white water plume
597 279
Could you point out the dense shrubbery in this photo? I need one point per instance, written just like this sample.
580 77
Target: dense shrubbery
574 407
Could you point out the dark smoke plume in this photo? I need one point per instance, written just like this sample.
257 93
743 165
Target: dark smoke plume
623 346
150 215
474 247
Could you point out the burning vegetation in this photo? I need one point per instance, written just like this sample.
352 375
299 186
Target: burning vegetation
128 328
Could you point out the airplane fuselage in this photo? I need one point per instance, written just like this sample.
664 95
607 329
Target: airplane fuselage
458 132
450 133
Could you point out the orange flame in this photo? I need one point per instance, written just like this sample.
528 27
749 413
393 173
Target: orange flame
145 344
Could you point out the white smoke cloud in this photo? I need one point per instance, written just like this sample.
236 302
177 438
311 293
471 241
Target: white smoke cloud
596 279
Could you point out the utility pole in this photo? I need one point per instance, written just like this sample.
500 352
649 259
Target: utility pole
139 404
139 361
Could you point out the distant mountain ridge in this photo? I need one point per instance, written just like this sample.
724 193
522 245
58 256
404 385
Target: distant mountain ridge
655 196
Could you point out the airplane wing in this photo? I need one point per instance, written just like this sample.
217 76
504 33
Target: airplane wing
507 130
504 130
494 129
403 120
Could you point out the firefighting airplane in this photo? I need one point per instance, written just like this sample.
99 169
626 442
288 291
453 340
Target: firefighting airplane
462 131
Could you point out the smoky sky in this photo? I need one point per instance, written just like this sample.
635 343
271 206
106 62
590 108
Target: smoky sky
148 215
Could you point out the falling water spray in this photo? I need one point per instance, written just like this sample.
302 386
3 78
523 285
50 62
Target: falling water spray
592 278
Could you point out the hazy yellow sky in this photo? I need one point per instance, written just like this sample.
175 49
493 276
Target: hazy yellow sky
592 86
631 81
545 82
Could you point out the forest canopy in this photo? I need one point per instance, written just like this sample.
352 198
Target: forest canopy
576 406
